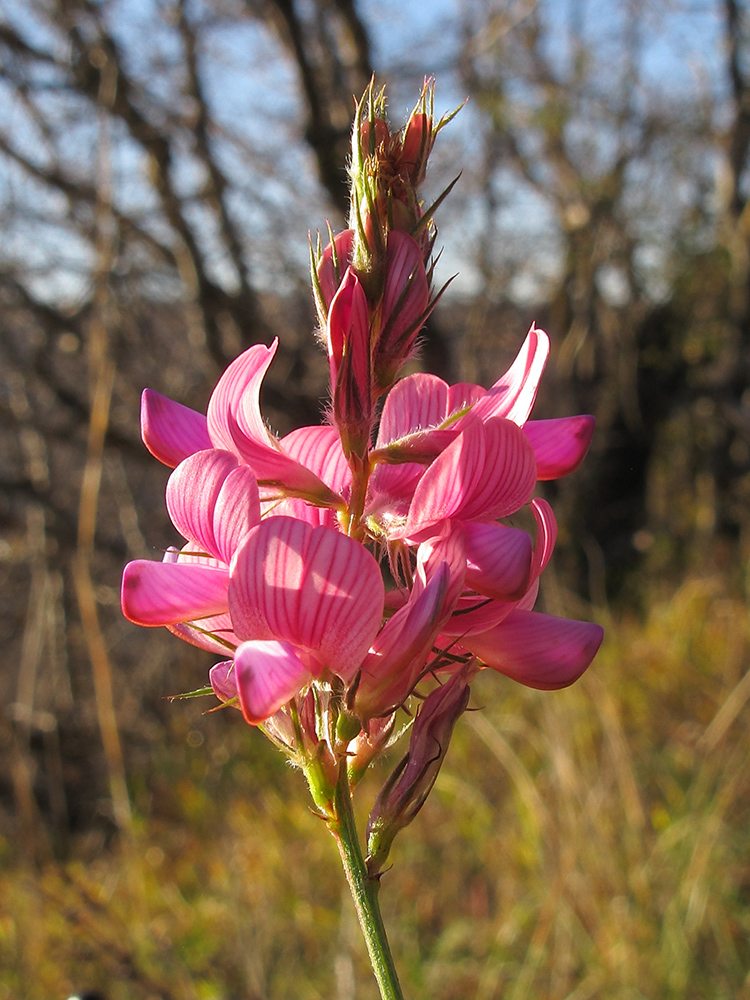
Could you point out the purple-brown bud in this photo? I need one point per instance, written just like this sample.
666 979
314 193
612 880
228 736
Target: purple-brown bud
405 792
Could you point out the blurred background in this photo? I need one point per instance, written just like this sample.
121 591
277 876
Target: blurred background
161 164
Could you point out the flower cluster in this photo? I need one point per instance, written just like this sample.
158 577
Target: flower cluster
336 568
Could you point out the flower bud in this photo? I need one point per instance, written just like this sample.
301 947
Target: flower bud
405 305
348 340
330 270
406 791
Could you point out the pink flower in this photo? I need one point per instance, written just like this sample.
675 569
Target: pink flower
172 432
213 502
305 602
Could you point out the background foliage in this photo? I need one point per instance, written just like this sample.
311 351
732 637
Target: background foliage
160 165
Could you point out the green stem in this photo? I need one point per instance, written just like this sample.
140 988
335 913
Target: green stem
364 889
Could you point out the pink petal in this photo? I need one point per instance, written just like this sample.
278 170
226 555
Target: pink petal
267 676
156 593
313 587
319 449
170 430
546 535
213 501
238 393
462 395
488 472
398 654
223 680
302 510
213 634
406 291
348 328
499 560
513 395
328 276
271 466
417 402
559 445
474 614
538 650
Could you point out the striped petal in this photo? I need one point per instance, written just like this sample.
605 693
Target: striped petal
319 449
313 587
513 395
156 593
267 676
170 430
498 560
559 445
213 500
538 650
488 472
238 392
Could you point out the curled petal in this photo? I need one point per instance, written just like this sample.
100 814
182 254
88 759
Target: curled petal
513 395
170 430
392 667
538 650
272 466
267 676
559 445
546 535
214 501
313 587
237 393
166 593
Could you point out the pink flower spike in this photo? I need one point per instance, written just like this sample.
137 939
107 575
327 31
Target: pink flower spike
498 560
267 676
213 501
156 593
313 587
560 445
538 650
170 430
513 395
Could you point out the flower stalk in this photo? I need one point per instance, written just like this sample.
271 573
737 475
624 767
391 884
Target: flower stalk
364 889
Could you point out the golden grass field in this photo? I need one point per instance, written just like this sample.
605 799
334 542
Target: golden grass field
590 843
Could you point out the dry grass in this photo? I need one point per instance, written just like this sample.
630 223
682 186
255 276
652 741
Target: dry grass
582 844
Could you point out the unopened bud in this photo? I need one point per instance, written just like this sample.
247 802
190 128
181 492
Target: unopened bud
406 790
